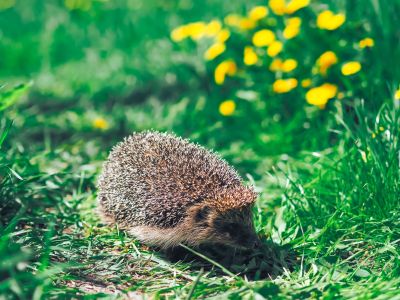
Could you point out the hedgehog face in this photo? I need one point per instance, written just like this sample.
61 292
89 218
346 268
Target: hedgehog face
233 227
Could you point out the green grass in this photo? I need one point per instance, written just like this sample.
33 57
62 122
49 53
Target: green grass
329 180
329 220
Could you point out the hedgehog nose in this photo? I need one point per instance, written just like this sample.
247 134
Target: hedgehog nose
256 243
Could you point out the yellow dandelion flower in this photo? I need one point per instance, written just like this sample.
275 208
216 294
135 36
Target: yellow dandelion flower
250 56
290 32
232 20
223 36
232 68
277 6
196 30
289 65
227 67
274 48
397 95
219 75
214 51
381 128
351 68
281 86
329 21
227 108
100 123
247 24
292 28
258 12
305 83
180 33
213 28
373 135
263 37
330 89
296 5
193 30
326 60
239 22
319 96
367 42
276 65
294 21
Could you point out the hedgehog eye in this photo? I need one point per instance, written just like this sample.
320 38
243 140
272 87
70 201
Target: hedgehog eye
230 228
202 213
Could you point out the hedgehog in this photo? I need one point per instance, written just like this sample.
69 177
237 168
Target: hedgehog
165 191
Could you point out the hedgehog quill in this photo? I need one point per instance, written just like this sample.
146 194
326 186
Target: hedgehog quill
165 190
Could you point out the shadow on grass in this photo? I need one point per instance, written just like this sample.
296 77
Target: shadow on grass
267 261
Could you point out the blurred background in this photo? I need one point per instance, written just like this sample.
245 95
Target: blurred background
302 97
112 67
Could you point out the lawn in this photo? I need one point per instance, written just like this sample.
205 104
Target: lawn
301 97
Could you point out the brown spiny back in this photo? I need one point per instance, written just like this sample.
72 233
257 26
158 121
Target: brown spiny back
152 178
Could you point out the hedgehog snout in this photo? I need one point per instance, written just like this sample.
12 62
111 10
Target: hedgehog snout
246 238
236 233
251 241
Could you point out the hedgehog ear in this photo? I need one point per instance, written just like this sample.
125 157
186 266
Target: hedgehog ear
202 213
